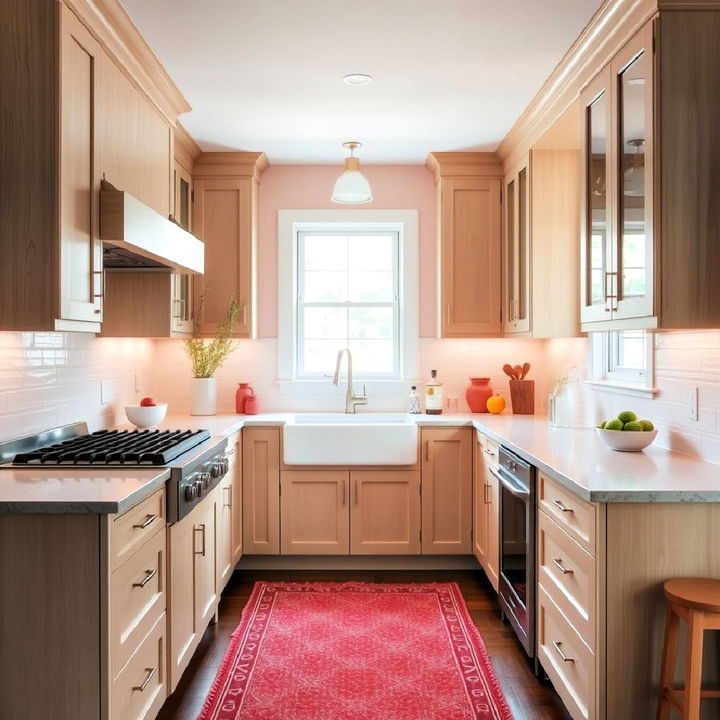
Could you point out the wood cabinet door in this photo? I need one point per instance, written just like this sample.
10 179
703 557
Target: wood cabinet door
314 512
224 219
235 471
81 270
385 512
492 506
261 490
597 231
470 257
224 548
480 524
516 252
446 490
182 631
205 566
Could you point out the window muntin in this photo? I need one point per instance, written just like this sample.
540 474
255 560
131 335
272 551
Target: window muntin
348 295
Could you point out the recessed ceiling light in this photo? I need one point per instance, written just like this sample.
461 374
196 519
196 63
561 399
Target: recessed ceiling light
357 79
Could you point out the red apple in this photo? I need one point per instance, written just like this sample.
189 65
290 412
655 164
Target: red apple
148 402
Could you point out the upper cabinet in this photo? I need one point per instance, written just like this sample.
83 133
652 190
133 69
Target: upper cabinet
225 218
89 99
469 187
650 234
516 251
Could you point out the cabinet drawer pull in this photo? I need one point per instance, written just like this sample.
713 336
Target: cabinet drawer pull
356 492
201 529
149 575
150 673
148 520
344 492
562 507
564 657
229 495
485 493
563 569
489 452
427 450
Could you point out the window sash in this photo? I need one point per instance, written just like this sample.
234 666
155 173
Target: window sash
301 304
614 353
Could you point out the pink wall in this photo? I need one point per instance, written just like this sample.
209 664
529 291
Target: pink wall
308 187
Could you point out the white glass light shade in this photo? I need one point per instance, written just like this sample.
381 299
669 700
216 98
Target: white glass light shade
351 186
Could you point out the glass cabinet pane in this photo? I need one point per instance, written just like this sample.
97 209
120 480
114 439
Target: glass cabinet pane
522 250
510 250
632 240
597 199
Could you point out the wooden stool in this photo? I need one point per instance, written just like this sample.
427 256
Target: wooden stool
697 602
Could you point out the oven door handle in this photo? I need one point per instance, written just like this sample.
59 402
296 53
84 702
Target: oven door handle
517 491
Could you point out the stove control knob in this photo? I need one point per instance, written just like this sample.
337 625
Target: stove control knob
205 478
190 492
216 469
199 487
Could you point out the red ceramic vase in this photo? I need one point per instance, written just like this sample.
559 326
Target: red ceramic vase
478 393
241 394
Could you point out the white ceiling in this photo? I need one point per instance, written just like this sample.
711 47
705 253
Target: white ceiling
448 75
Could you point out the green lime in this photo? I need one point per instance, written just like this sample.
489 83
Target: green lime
646 425
614 425
627 416
633 426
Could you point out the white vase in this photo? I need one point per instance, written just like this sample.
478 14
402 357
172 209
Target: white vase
204 397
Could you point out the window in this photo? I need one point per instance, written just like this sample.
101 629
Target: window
347 278
348 296
623 359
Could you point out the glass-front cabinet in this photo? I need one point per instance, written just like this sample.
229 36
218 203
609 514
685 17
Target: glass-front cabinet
516 252
617 237
182 284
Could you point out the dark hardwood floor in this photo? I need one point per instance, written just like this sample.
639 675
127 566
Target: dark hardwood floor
528 698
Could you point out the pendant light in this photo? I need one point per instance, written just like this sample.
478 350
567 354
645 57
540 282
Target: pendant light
351 186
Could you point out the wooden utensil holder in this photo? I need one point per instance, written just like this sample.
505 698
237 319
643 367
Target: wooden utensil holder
522 397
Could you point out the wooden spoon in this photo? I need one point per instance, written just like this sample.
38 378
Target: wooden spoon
508 370
525 370
518 372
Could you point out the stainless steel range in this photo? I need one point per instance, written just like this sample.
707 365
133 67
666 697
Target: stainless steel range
197 462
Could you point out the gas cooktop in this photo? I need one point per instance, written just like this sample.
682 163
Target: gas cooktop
116 447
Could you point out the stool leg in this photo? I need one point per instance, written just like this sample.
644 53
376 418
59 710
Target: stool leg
693 672
667 669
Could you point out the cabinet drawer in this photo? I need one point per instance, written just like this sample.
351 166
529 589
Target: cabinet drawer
131 529
139 691
577 517
137 598
568 574
566 659
489 449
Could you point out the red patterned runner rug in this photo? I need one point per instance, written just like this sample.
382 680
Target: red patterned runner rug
355 651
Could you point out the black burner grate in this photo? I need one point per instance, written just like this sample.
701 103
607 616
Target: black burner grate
117 447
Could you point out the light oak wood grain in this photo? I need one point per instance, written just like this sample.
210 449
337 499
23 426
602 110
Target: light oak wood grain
131 530
446 490
385 512
315 512
261 490
578 518
486 507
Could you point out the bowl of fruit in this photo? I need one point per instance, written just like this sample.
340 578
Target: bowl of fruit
147 413
626 433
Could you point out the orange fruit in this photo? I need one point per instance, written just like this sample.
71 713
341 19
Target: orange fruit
496 404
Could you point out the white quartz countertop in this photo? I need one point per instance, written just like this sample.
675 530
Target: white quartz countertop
81 490
575 457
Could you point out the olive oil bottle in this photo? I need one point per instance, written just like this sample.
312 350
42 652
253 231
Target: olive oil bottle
433 395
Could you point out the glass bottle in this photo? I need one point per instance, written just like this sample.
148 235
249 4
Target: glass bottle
433 395
414 401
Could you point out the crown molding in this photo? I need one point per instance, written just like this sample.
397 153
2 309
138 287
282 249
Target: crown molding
186 150
231 164
476 164
608 30
113 28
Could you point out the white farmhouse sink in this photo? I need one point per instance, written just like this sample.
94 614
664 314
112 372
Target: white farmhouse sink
345 439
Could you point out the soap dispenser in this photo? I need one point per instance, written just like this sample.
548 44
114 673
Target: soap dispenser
433 395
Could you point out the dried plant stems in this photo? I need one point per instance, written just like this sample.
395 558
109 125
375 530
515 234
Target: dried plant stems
207 356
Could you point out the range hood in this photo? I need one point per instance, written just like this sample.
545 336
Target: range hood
136 236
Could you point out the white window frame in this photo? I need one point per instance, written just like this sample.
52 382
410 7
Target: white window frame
606 376
395 305
406 224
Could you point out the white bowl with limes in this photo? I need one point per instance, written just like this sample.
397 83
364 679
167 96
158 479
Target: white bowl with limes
626 433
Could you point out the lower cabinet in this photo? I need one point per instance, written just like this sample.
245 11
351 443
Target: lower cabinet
361 512
229 515
486 507
193 585
446 490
